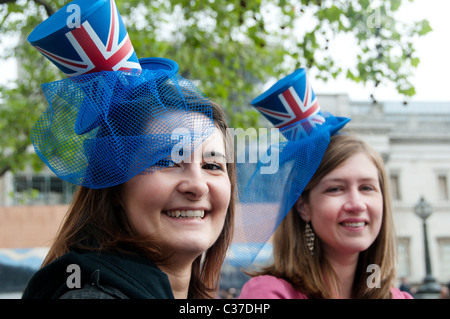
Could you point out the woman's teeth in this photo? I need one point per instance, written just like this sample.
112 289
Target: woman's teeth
185 214
359 224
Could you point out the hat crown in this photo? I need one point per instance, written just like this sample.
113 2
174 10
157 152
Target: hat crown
85 37
289 101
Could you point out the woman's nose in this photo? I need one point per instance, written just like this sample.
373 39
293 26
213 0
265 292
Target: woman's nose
354 202
193 183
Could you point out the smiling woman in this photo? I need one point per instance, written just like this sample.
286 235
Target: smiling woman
143 223
137 207
158 223
339 229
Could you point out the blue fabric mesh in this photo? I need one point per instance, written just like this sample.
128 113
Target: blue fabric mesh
265 199
101 129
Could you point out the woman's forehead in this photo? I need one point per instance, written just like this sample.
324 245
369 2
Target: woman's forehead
173 119
214 143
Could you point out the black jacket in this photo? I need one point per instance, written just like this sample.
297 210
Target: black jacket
102 276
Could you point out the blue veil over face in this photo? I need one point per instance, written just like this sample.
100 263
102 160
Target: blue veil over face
266 198
98 131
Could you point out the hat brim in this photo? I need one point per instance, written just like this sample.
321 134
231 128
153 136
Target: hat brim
169 67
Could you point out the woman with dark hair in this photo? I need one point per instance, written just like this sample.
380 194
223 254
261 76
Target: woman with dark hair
145 222
153 214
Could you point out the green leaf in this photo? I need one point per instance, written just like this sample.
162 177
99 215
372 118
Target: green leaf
425 27
415 62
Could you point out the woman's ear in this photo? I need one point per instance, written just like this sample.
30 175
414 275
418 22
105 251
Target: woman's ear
303 209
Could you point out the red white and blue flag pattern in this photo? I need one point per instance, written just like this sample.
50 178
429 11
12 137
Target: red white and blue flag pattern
100 43
303 128
291 107
295 111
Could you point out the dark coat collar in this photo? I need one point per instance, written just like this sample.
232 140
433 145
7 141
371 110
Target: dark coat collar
133 275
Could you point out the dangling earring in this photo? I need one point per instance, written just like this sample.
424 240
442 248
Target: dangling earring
309 235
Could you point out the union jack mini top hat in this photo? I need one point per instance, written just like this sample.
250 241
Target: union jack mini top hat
291 105
113 116
86 36
265 199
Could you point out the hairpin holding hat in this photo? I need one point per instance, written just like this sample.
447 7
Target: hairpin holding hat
265 199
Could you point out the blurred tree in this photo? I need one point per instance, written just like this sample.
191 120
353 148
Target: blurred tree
230 47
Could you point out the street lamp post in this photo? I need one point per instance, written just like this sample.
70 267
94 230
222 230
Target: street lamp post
430 289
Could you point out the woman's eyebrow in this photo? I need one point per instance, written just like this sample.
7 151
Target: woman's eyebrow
208 154
343 179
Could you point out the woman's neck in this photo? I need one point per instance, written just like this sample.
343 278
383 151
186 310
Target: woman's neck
345 268
179 274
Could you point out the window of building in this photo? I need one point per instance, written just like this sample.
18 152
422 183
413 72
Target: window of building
443 187
444 253
395 186
32 189
404 265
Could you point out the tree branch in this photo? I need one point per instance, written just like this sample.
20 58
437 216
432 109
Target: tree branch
19 150
48 8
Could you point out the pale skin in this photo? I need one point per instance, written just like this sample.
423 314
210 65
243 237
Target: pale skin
184 206
346 210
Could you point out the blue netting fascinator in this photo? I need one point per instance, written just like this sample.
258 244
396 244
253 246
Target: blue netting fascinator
266 196
101 129
114 116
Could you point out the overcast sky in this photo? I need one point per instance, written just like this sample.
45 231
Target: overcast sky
431 78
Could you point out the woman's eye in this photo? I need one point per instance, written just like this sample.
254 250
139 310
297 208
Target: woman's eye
213 166
333 189
367 188
165 163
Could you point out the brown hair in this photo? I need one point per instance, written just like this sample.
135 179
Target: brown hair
312 274
96 221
